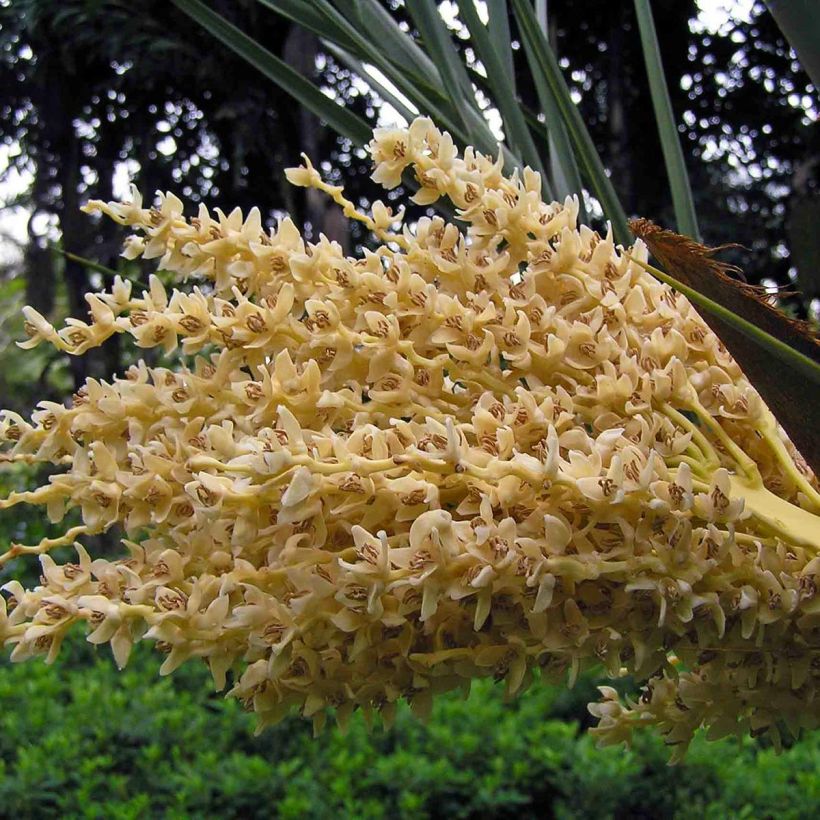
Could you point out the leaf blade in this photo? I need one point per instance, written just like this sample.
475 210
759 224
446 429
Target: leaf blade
357 66
499 26
563 164
336 116
543 62
800 23
440 48
515 126
421 93
681 190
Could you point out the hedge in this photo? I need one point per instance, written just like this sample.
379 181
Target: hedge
80 739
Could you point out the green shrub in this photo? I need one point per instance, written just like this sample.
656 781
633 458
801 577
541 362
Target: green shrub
80 739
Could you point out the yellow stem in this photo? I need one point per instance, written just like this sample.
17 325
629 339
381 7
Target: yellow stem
336 193
44 546
792 523
769 433
709 453
746 464
31 458
696 466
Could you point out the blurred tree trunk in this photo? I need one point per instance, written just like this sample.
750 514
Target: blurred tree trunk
620 144
106 250
41 277
300 52
61 136
72 227
803 226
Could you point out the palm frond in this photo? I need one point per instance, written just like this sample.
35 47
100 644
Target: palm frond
543 65
682 199
338 117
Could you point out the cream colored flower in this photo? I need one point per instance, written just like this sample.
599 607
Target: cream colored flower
478 449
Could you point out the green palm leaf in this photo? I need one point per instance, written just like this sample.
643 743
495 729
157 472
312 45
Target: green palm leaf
502 87
544 65
672 154
338 117
439 46
563 165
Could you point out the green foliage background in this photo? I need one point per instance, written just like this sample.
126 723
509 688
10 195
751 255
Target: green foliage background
80 739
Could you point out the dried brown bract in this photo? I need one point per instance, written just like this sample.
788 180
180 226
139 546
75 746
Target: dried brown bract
786 392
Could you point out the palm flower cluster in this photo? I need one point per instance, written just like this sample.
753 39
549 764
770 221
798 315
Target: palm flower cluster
492 448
